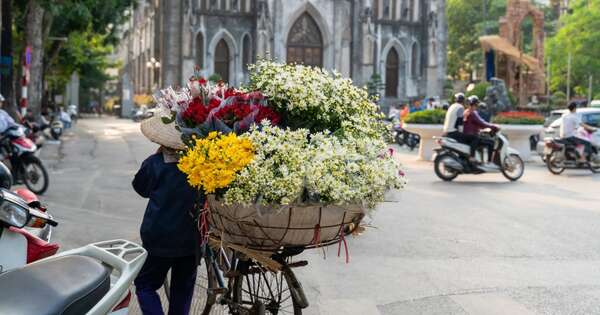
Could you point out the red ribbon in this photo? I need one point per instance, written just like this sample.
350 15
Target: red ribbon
343 240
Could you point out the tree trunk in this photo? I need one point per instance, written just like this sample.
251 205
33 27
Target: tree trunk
171 43
34 38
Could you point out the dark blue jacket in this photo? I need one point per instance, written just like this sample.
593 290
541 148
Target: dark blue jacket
168 228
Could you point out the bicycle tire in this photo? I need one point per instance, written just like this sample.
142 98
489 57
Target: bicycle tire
270 305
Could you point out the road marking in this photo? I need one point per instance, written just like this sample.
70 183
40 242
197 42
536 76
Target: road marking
490 304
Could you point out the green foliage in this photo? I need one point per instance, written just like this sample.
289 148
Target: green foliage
559 99
215 77
466 22
375 85
434 116
90 27
479 90
578 36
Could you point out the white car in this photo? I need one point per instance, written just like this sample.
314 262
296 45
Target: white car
590 116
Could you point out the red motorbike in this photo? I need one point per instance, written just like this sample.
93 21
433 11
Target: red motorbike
18 151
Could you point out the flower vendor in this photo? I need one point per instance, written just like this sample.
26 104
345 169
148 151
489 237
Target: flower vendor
168 232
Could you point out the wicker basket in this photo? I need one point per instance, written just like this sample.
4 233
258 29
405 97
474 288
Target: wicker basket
304 226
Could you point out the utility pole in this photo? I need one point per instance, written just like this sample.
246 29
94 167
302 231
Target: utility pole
548 74
569 77
590 91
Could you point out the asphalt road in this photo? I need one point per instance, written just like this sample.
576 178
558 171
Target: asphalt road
479 245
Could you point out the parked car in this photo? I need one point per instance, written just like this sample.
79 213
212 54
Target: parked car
590 116
595 104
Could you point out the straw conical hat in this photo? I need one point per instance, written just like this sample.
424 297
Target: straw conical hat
164 134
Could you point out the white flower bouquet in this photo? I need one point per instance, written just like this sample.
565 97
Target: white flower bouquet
314 156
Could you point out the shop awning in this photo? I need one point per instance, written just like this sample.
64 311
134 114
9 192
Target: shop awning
499 44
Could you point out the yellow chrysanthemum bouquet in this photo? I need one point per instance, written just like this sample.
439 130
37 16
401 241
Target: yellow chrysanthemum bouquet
213 162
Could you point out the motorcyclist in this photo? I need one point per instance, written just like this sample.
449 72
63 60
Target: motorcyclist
473 124
568 131
454 120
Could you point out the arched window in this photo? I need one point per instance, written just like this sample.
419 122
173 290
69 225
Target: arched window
246 52
200 50
392 66
414 61
222 60
305 43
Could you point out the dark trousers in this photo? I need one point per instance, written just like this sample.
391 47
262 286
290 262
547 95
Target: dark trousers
587 146
471 140
152 277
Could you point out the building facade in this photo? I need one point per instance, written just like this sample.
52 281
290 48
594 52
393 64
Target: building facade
401 41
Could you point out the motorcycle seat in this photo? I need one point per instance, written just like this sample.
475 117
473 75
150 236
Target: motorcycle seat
67 285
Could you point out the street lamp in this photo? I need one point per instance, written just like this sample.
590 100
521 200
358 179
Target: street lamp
154 65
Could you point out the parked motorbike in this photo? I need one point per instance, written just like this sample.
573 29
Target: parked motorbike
405 137
56 127
26 168
452 158
35 133
561 154
94 279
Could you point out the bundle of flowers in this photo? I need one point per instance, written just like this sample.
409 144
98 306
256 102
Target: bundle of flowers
204 107
518 118
314 99
295 135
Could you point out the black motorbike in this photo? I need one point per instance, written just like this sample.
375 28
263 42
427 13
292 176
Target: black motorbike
405 137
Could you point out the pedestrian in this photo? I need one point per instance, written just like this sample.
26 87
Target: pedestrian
431 103
168 231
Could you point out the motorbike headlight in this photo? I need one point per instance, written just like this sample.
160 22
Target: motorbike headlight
13 215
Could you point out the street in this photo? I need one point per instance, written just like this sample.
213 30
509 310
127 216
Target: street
479 245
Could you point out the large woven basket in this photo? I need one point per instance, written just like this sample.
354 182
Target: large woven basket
304 226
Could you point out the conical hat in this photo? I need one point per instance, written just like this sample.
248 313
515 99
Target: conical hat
164 134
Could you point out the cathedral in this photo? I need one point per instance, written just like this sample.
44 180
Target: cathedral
403 42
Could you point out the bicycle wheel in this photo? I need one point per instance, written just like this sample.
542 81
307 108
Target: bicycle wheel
255 289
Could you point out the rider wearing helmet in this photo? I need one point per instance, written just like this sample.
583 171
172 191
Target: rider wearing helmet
453 122
473 124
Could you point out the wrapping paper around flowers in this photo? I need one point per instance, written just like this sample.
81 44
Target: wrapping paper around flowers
254 104
244 225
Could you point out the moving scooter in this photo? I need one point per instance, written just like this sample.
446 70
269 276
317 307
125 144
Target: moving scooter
452 158
94 279
561 154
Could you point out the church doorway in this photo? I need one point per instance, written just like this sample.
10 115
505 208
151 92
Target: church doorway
222 59
305 42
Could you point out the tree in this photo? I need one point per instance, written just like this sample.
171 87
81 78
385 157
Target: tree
34 39
577 36
90 27
467 20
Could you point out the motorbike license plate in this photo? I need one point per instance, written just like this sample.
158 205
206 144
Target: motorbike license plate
547 151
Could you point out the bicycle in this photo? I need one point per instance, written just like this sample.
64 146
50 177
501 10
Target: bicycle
249 282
